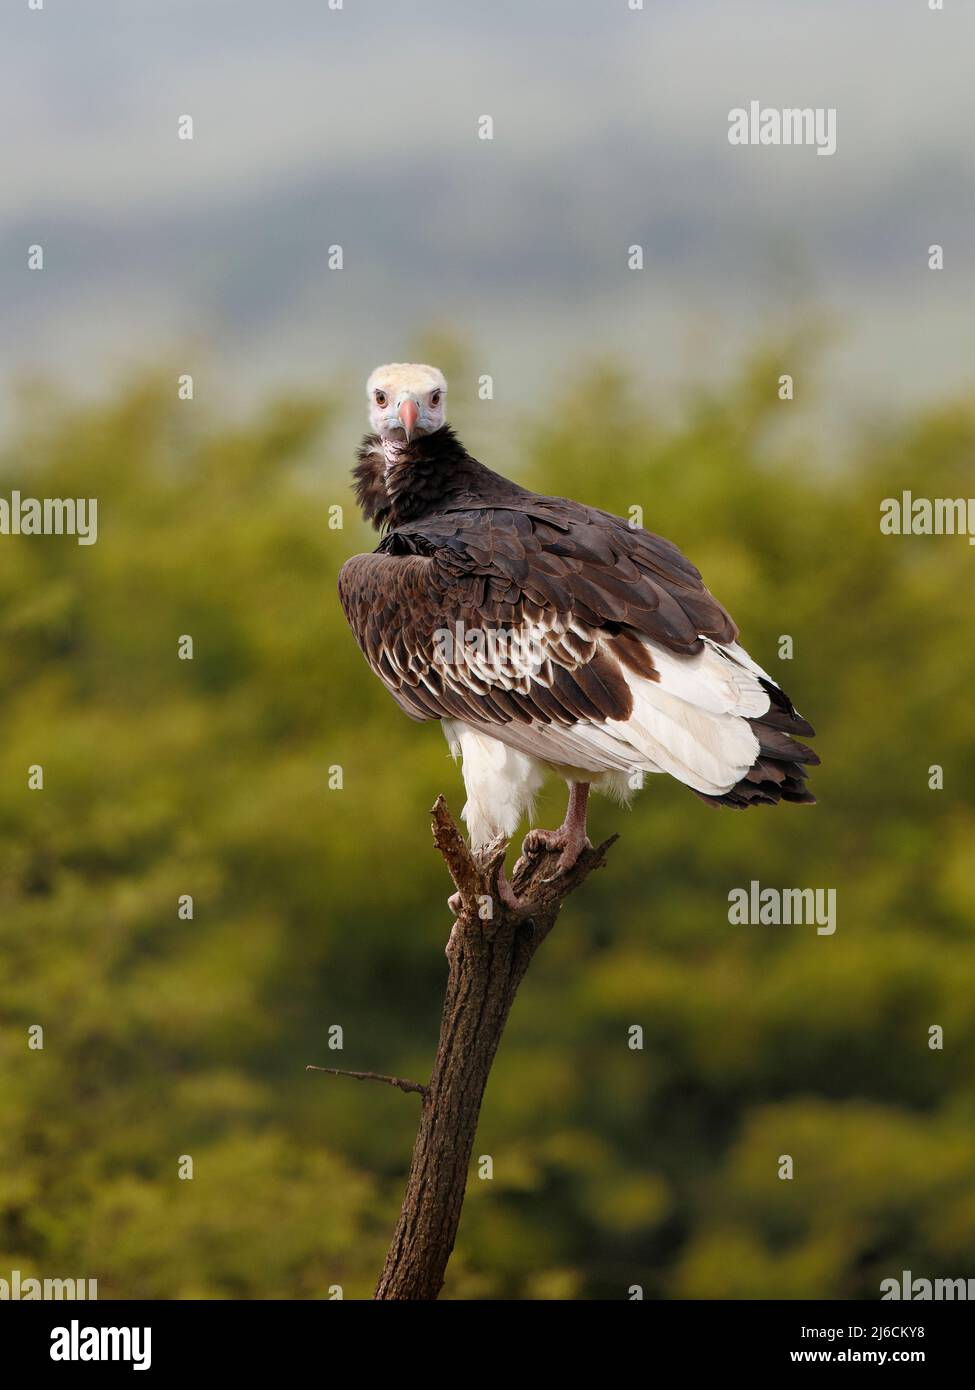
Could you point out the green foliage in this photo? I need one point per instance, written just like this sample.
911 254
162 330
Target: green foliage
316 906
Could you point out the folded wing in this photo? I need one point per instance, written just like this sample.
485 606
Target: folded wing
569 635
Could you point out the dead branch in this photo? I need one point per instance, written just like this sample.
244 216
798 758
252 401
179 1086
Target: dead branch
490 948
396 1081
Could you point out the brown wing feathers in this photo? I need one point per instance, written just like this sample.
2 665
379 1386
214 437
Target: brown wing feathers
400 609
574 572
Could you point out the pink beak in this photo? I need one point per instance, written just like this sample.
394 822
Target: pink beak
407 417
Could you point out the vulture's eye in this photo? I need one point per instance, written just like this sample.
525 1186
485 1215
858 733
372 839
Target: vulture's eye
381 397
435 398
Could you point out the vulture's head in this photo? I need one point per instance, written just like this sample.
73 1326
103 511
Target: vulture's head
406 399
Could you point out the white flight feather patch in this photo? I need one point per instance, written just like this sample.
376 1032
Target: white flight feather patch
690 723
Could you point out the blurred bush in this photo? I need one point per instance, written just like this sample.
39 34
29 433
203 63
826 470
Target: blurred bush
317 906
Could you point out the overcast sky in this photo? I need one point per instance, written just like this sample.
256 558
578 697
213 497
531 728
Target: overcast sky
359 126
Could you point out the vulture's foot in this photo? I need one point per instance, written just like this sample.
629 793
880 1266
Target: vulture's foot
570 839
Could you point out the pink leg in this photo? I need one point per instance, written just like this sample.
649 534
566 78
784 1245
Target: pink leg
570 837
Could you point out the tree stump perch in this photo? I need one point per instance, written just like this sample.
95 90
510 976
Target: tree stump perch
489 950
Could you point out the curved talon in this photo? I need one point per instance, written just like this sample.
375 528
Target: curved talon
571 844
537 841
507 894
455 903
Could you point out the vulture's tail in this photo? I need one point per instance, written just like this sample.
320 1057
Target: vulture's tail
779 772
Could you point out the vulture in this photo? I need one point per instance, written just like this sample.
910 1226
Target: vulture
547 635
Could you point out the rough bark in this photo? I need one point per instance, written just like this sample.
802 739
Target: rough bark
491 946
